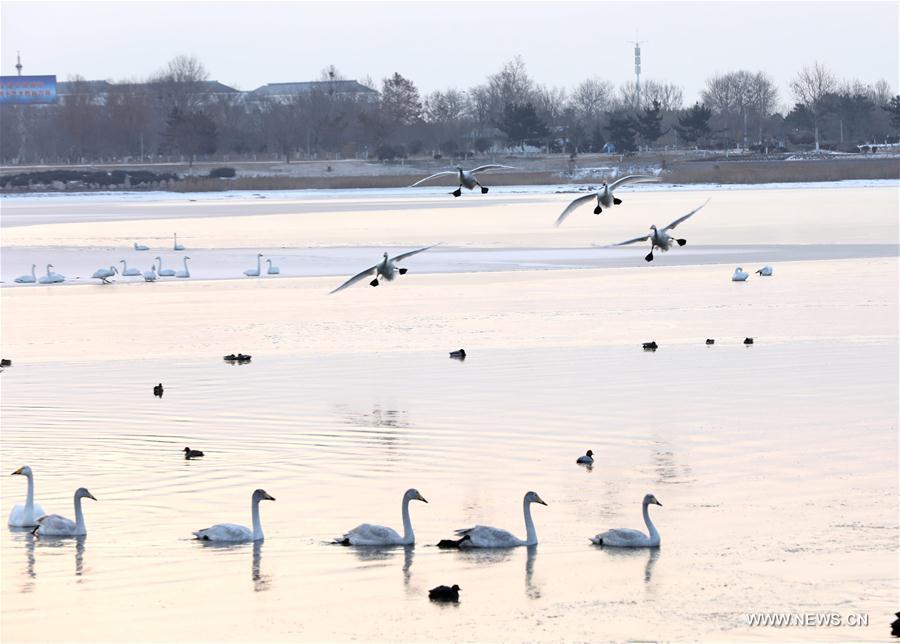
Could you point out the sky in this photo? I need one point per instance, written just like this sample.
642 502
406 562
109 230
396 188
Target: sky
453 44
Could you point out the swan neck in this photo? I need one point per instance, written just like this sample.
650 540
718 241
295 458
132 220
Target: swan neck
29 499
79 515
654 535
530 532
257 527
408 535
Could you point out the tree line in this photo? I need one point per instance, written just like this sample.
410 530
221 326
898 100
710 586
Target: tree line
172 114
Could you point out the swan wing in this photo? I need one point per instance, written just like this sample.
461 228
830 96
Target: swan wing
685 217
18 519
621 537
491 166
482 536
572 206
403 256
631 241
632 178
367 534
436 174
225 532
55 525
353 280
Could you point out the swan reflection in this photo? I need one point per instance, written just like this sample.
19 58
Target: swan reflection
260 581
651 555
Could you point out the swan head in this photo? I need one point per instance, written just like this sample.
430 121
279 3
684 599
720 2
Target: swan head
385 255
24 471
532 497
651 500
261 495
653 227
412 494
82 492
739 270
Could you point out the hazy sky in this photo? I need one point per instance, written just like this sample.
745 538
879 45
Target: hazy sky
443 44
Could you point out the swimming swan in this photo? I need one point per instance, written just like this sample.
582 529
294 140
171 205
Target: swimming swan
185 272
627 538
765 271
51 277
176 245
604 196
150 276
740 275
367 534
128 272
482 536
466 177
229 532
138 246
273 270
53 525
659 238
27 279
385 268
103 274
25 516
254 272
164 272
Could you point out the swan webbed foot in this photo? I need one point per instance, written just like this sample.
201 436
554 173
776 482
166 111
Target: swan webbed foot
617 201
598 210
681 242
649 257
373 282
403 271
483 190
457 192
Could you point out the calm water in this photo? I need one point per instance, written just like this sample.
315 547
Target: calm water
776 465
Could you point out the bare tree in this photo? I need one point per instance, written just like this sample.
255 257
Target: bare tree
591 98
810 86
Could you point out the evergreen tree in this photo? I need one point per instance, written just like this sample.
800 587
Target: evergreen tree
522 125
620 128
649 123
693 124
190 133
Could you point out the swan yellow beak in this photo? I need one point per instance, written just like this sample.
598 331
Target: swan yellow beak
18 471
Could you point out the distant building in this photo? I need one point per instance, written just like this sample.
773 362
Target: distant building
98 91
345 88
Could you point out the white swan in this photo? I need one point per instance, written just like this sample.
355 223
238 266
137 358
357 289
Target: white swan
659 238
27 279
587 459
103 274
176 245
385 268
466 177
628 538
604 196
185 272
482 536
54 525
138 246
230 532
164 272
765 271
51 277
150 276
128 272
254 272
26 515
740 275
273 270
367 534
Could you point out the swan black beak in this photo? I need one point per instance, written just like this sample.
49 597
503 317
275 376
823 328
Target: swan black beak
269 497
91 496
423 499
659 504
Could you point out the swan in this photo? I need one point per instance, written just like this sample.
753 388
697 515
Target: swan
176 245
53 525
51 277
254 272
659 238
604 196
367 534
231 532
587 459
150 276
27 279
164 272
765 271
138 246
273 270
128 272
628 538
482 536
466 177
385 268
185 272
25 516
740 275
103 274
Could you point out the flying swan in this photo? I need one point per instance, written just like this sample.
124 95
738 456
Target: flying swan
466 177
53 525
26 516
367 534
385 268
659 238
604 196
628 538
482 536
229 532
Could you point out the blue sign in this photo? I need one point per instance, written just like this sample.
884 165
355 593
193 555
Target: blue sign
27 90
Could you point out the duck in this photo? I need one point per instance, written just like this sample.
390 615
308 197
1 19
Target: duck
232 533
710 341
272 270
587 459
163 272
103 274
481 536
25 515
466 177
385 269
650 346
628 538
748 341
27 279
150 276
185 272
660 238
158 390
444 593
138 246
176 245
54 525
194 453
604 196
740 275
128 272
765 271
459 354
367 534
